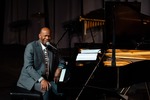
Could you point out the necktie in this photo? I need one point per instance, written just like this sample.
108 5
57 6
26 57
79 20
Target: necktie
46 63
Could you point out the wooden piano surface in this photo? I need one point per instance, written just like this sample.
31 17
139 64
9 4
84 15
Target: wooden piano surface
126 56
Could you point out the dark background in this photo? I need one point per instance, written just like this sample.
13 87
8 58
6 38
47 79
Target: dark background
11 50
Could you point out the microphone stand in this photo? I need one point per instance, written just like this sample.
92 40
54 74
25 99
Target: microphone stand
62 36
69 32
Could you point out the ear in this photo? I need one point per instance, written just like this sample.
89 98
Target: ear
39 36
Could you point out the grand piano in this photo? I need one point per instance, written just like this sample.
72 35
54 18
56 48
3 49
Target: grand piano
129 51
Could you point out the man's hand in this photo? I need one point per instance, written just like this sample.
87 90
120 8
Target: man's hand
56 79
45 85
57 75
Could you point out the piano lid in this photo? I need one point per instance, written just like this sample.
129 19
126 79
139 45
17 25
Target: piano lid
125 20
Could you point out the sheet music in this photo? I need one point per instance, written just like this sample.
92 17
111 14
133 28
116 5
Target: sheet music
86 57
90 51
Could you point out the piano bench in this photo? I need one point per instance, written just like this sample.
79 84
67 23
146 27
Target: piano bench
18 93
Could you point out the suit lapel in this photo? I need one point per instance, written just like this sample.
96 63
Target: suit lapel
39 51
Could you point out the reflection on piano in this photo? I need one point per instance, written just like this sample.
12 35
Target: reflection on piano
132 60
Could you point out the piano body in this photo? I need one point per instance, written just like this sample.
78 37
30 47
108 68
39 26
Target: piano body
132 55
99 77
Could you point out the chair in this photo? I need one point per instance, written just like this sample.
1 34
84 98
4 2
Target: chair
18 93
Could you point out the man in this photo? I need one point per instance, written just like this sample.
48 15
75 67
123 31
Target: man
33 74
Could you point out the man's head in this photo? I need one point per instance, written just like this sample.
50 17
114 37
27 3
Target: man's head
45 35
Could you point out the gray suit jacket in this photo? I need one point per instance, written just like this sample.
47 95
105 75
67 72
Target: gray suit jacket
34 66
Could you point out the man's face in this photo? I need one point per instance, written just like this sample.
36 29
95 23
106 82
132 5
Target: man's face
45 36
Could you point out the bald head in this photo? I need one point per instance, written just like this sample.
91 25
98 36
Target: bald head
45 29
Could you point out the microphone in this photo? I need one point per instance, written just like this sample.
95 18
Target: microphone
48 44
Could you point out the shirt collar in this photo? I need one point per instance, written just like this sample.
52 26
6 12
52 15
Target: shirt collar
43 47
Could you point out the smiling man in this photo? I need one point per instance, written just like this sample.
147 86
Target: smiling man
40 73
